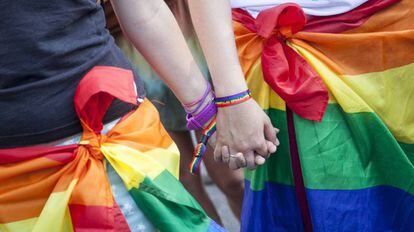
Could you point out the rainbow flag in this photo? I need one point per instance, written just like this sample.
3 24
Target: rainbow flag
65 188
356 147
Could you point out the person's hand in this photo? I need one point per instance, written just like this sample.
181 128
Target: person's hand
245 136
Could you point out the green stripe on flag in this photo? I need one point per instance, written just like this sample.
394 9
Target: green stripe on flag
351 151
409 151
277 167
169 206
345 151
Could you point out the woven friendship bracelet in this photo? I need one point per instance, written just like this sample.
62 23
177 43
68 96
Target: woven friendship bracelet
200 149
233 99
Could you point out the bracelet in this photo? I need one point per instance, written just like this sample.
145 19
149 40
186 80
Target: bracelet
200 149
233 99
199 101
196 122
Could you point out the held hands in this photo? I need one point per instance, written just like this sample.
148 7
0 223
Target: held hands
245 136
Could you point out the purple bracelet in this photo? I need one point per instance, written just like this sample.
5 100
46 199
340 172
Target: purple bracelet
199 101
196 122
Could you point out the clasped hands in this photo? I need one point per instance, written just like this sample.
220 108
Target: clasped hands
245 136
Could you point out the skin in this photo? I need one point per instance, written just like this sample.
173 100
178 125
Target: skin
152 29
237 124
231 183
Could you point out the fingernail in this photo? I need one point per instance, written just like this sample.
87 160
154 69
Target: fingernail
273 149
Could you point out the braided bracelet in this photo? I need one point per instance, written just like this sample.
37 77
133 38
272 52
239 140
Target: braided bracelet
196 119
200 149
233 99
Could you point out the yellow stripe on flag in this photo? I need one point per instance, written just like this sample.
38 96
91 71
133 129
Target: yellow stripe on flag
346 97
133 165
21 226
169 158
390 94
55 214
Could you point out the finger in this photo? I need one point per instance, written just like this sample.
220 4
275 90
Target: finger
225 154
233 162
271 147
240 160
217 153
262 149
277 142
259 160
249 156
270 132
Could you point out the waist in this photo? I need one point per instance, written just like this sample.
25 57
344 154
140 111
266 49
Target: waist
314 8
42 111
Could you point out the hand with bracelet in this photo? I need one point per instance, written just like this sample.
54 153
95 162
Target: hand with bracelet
245 135
201 115
239 111
140 21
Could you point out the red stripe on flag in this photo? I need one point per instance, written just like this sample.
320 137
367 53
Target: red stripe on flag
13 155
349 20
97 218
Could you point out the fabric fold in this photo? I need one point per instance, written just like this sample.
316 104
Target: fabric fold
65 188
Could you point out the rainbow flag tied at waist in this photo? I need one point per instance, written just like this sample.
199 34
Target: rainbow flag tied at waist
65 188
349 81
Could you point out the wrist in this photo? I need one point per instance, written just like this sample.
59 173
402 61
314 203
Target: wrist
230 90
193 92
230 83
201 103
201 111
234 99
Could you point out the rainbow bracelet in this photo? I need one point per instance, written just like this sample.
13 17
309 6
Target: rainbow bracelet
200 149
233 99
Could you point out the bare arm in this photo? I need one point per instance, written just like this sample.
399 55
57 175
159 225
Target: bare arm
152 29
213 24
244 128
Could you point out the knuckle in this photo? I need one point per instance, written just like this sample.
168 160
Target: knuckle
243 146
255 143
262 146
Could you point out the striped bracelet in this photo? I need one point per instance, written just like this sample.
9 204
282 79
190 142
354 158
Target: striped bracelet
233 99
200 149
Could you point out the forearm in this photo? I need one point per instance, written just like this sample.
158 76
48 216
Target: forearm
213 24
152 29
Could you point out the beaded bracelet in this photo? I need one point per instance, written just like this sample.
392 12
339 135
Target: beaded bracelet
200 149
233 99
